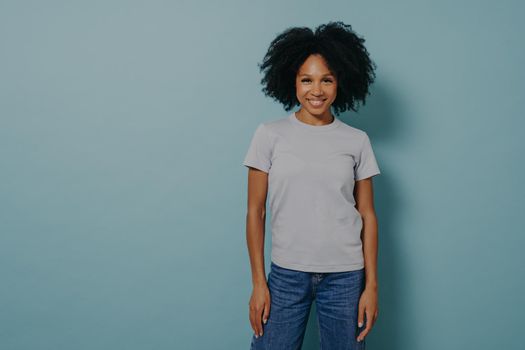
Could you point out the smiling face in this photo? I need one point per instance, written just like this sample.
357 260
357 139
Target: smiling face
316 87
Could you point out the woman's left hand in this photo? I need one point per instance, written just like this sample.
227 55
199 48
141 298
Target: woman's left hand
368 306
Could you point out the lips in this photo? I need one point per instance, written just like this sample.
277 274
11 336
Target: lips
316 102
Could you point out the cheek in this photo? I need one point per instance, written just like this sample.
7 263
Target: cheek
333 93
300 91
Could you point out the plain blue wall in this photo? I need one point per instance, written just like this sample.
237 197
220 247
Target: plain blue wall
123 197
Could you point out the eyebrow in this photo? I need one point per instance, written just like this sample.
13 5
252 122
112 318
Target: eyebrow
324 75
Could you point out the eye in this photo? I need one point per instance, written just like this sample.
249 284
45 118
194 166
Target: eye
324 80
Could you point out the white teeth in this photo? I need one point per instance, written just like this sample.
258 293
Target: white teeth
316 102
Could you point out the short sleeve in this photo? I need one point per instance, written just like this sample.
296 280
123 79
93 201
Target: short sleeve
259 153
366 164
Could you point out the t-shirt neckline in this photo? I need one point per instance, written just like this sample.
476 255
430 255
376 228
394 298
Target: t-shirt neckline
316 128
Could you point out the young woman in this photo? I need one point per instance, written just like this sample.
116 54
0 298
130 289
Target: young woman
318 173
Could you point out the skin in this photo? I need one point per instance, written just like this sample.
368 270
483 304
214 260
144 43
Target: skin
313 81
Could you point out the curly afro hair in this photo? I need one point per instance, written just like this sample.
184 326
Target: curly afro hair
342 50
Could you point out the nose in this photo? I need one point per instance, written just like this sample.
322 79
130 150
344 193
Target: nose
316 90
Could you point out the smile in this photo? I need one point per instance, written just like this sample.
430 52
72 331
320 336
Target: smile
316 103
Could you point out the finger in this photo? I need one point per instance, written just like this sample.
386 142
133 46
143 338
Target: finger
367 328
252 323
258 320
360 316
266 312
362 335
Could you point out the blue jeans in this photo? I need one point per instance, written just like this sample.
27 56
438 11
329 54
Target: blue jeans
336 296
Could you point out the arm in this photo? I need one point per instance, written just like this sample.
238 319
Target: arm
255 233
255 223
364 195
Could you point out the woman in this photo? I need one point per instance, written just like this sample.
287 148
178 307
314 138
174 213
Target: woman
318 173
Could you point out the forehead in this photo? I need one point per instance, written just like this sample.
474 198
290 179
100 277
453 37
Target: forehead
314 65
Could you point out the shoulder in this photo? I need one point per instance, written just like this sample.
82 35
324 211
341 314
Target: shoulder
274 127
275 124
352 132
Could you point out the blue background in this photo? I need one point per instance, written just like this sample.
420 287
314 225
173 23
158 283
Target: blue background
123 126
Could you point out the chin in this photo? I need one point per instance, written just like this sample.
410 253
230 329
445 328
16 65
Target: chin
316 111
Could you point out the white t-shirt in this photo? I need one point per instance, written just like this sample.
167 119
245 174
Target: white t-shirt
311 174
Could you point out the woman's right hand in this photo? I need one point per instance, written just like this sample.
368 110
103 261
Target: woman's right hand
259 308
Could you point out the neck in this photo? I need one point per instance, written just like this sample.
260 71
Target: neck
321 119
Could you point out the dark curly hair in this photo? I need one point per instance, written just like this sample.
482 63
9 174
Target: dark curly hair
341 48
